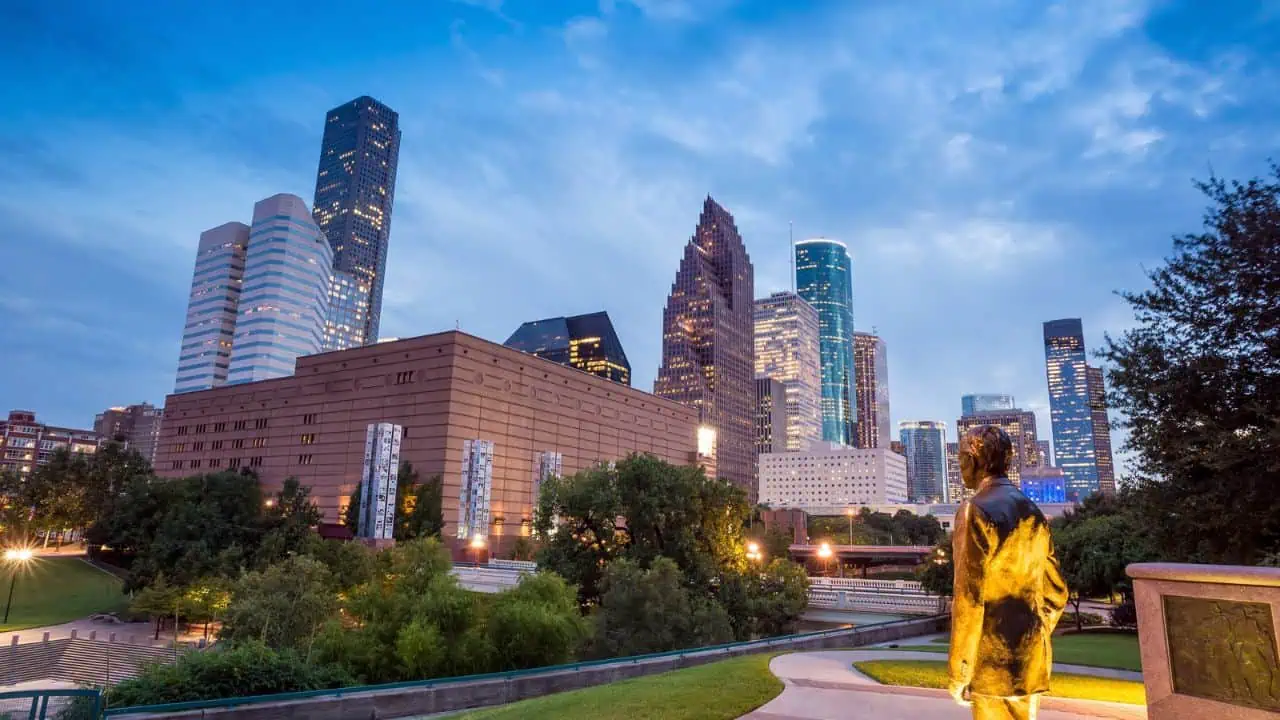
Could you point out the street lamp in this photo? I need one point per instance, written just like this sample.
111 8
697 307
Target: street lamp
753 551
477 544
14 557
849 512
824 552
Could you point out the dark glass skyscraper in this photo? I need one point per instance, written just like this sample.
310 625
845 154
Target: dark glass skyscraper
824 277
586 342
355 190
871 379
970 404
708 348
925 444
1101 431
1069 408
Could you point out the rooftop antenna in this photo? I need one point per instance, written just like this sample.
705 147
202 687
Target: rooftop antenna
791 252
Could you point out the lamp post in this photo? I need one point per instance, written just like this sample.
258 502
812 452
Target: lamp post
14 557
477 544
824 552
753 552
849 512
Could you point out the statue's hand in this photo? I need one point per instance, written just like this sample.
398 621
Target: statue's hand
959 692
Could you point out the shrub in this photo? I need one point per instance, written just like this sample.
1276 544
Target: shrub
1125 615
647 611
1084 618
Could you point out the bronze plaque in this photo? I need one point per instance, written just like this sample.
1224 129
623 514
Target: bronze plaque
1223 650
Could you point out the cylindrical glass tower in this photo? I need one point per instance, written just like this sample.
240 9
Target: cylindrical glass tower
824 277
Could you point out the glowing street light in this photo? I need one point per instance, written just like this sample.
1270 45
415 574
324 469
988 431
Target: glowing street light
849 512
824 552
14 557
477 544
753 551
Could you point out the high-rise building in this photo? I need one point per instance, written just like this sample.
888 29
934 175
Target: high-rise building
771 416
983 402
871 380
285 294
1019 425
708 351
955 484
925 442
205 352
1101 431
137 426
585 342
786 347
1069 409
824 277
1046 453
26 443
355 191
831 479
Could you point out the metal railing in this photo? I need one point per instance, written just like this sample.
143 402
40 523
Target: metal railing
900 587
832 599
45 704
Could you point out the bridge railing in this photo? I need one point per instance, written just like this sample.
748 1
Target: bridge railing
901 587
832 599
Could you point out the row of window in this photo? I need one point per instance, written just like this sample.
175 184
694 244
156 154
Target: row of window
216 463
237 444
258 424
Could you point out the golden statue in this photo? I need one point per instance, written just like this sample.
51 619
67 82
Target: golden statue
1009 592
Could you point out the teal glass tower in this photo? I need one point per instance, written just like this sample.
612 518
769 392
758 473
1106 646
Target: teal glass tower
824 278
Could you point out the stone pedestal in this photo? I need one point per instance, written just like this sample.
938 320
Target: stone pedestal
1208 639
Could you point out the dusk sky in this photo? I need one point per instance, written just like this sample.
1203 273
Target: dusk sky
991 164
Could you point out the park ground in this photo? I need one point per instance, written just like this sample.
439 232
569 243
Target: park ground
51 590
1095 648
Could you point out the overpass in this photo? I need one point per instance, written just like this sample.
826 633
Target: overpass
861 557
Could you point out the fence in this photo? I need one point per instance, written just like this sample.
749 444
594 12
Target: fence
523 566
78 660
45 704
399 700
900 587
828 599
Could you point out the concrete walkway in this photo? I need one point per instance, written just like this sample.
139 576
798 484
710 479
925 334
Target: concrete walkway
825 686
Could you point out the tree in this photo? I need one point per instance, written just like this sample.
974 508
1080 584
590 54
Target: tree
159 600
646 611
283 606
288 522
522 549
937 573
764 602
536 623
1198 381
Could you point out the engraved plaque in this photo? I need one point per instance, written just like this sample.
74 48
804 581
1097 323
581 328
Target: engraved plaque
1223 650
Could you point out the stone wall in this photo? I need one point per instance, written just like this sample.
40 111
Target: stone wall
441 696
1208 638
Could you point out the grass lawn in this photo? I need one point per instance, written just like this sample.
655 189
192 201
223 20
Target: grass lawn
1102 649
53 590
722 690
929 674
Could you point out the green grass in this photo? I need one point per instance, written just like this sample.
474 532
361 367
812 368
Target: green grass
717 691
929 674
1115 650
54 590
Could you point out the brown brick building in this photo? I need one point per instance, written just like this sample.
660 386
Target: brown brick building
443 389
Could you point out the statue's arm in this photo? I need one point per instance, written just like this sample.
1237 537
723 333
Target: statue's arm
970 547
1054 590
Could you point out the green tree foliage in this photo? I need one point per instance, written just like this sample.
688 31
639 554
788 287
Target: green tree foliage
287 523
158 601
877 528
419 506
349 563
283 606
1096 543
764 602
645 611
937 573
246 669
536 623
522 549
775 542
1198 381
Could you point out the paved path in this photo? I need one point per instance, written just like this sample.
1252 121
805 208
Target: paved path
825 686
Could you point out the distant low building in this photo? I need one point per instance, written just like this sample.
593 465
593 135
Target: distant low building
1044 484
829 478
26 443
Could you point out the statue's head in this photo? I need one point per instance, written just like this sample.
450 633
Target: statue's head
984 452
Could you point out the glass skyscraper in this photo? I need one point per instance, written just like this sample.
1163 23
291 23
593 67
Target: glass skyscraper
1019 425
824 277
585 342
355 190
786 343
205 353
871 380
1069 408
925 444
970 404
1101 431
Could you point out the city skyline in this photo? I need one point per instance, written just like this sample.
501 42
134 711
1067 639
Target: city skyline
557 190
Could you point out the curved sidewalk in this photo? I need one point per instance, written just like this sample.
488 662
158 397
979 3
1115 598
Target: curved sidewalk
825 686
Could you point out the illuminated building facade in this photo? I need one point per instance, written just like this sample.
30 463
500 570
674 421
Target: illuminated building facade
925 443
824 277
1046 453
708 351
871 382
285 293
1044 485
355 191
786 348
830 478
955 484
1101 431
1019 425
205 353
476 488
1069 408
771 416
984 402
26 443
585 342
137 426
379 480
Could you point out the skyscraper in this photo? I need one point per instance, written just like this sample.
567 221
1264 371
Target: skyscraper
786 348
355 191
708 354
585 342
1069 410
824 277
955 485
205 352
1101 431
970 404
871 376
137 426
771 416
1019 425
285 292
1046 454
925 442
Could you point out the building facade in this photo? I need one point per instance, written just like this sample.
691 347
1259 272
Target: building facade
285 296
824 278
786 347
771 416
1020 425
1101 431
1044 485
26 443
137 426
985 402
205 353
708 350
955 484
355 192
871 380
443 390
585 342
1046 453
925 444
830 478
1069 409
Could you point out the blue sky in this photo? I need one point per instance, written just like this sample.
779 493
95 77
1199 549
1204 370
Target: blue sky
991 164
